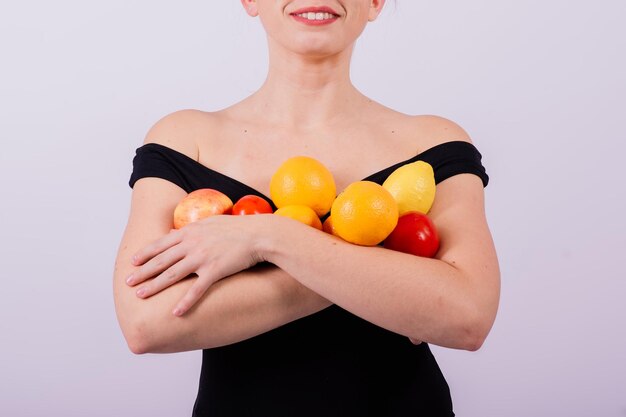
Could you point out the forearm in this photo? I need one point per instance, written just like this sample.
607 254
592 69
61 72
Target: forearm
234 309
426 299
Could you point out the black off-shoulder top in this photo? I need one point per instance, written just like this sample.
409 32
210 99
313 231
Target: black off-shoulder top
328 364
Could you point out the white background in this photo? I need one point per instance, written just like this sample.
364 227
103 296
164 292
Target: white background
539 85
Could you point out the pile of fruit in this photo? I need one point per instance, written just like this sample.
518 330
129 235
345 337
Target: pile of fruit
365 213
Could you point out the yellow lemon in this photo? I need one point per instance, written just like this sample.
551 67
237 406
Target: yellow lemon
364 213
413 187
304 181
303 214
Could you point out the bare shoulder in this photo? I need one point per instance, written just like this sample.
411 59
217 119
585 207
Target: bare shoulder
434 130
416 131
183 130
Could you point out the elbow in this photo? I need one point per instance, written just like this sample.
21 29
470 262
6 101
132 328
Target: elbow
137 345
140 325
475 333
473 342
138 338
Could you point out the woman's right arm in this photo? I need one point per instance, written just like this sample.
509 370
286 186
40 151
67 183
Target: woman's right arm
233 309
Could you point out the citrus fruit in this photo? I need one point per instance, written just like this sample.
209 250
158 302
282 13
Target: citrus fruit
413 187
364 213
328 227
303 214
305 181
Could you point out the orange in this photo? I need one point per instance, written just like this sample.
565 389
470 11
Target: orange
303 181
328 227
364 213
303 214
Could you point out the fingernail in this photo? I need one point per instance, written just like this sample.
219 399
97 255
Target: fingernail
129 280
134 259
141 292
178 311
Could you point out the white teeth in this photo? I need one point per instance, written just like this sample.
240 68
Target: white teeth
316 16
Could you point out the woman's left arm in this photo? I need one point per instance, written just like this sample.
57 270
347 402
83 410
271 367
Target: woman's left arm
450 300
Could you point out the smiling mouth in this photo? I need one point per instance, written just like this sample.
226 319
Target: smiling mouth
316 15
313 14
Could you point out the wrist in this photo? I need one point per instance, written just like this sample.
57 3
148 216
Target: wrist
266 239
277 237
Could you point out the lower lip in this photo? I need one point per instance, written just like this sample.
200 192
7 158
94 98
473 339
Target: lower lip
314 22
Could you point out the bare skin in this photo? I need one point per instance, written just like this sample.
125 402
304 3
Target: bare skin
306 106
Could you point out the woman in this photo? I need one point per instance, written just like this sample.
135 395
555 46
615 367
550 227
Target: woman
293 321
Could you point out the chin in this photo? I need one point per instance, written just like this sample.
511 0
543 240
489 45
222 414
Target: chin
317 47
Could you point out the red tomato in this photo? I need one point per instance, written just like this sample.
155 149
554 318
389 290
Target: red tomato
415 234
252 204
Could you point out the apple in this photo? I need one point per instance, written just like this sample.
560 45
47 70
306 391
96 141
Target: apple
416 234
199 204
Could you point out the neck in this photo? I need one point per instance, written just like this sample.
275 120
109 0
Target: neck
306 92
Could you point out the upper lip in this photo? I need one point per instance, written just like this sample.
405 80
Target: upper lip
314 9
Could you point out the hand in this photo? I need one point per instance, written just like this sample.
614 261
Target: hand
415 341
212 248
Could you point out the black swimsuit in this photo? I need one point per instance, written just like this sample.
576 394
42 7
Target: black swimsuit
328 364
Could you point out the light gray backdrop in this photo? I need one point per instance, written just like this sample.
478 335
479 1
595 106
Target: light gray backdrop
539 85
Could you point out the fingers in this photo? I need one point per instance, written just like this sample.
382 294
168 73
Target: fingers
194 294
415 341
208 274
167 278
156 247
155 266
